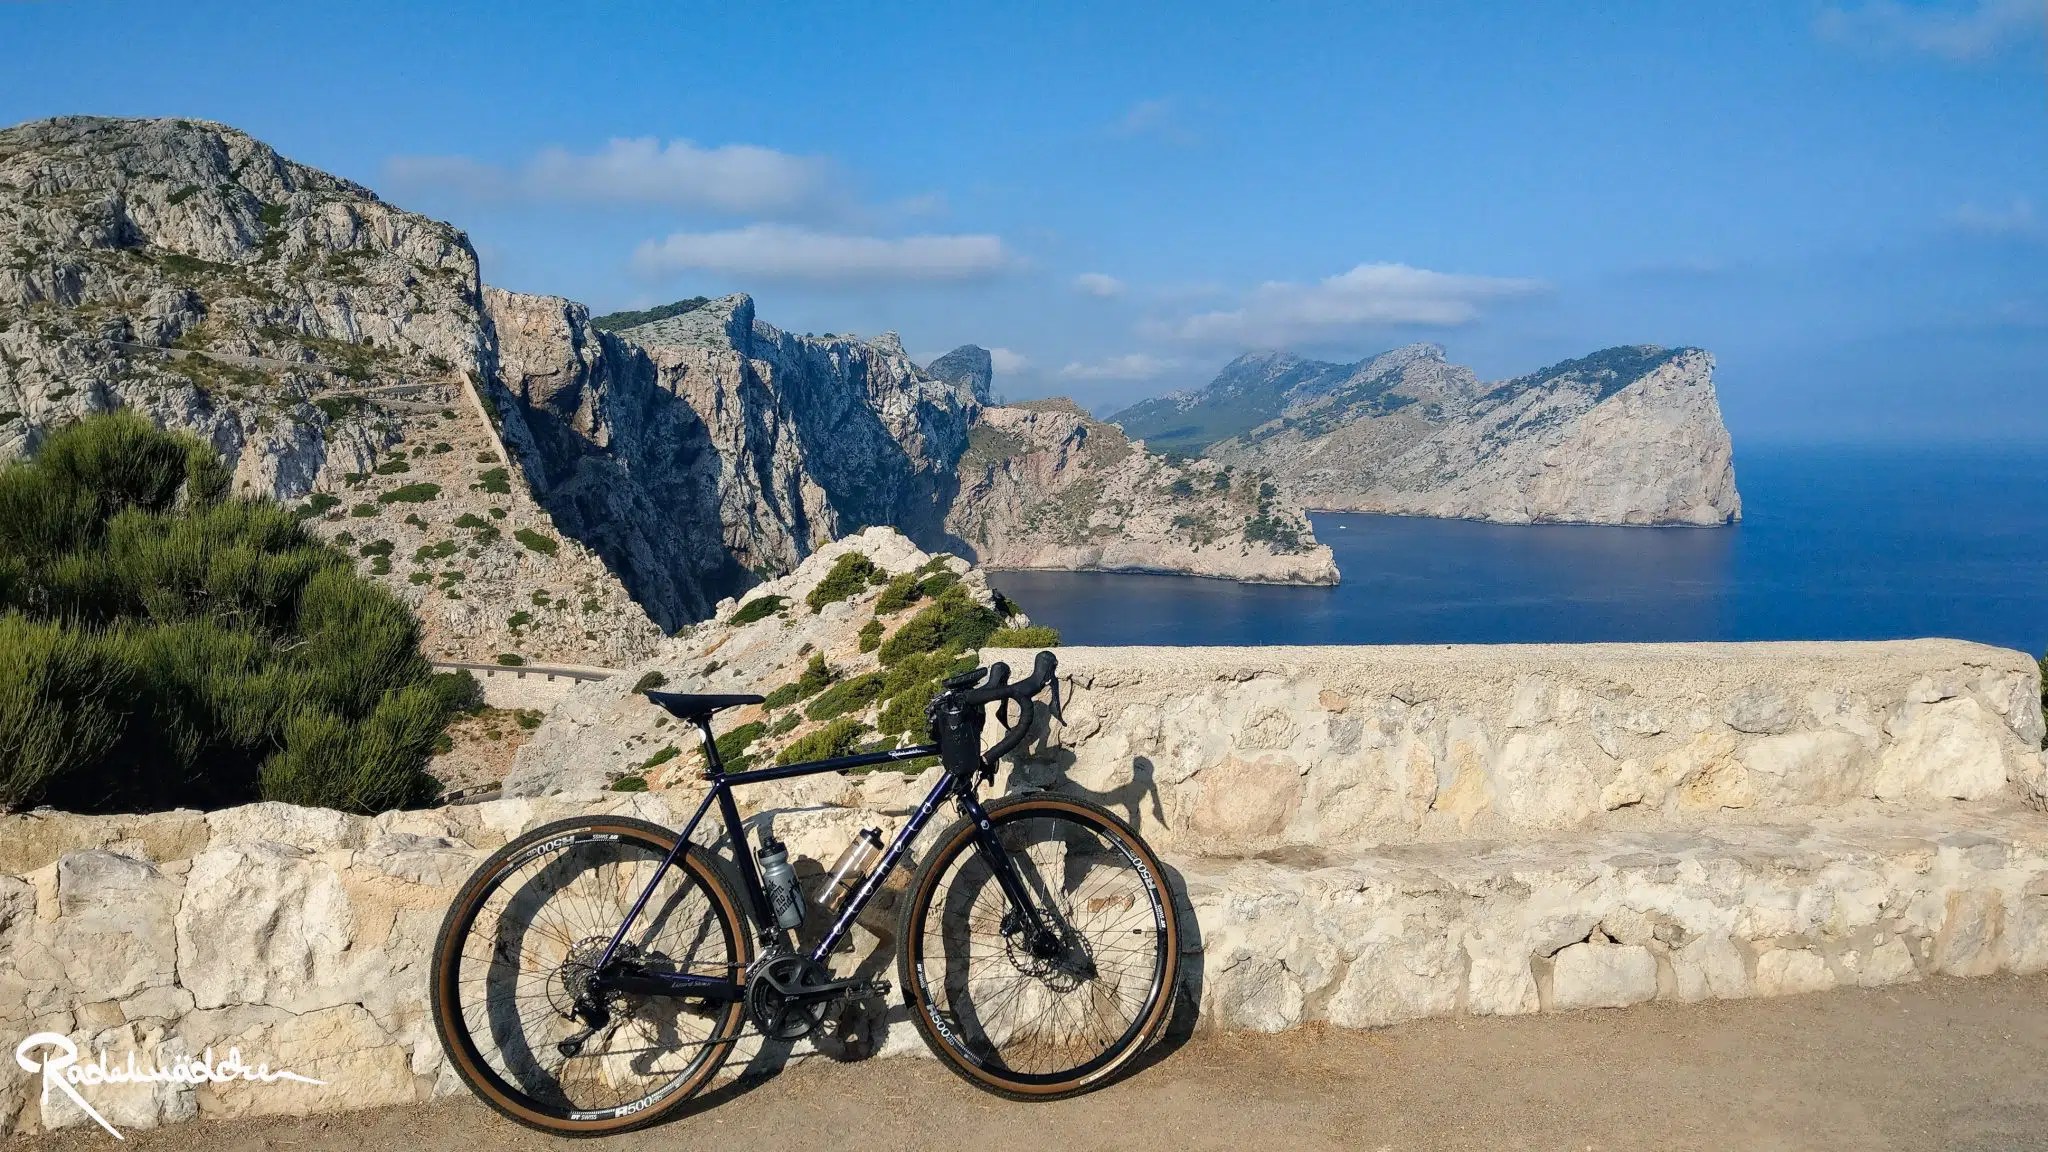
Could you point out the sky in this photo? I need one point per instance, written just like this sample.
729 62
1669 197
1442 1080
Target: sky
1846 201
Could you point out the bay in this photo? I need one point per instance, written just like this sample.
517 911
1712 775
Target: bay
1837 543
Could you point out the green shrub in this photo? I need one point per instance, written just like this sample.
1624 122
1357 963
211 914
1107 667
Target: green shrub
871 636
392 467
850 575
518 620
363 510
164 645
537 541
935 585
839 738
527 718
659 758
784 723
650 681
904 713
899 593
759 608
1031 636
495 480
511 659
629 783
781 697
471 520
378 547
733 745
951 623
418 493
427 553
846 696
318 503
816 676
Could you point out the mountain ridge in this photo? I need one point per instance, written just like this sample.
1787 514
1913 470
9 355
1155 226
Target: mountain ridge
1626 435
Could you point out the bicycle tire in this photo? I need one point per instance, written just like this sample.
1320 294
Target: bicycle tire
941 1025
494 1085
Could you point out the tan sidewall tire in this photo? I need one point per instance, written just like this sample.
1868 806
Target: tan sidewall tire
462 912
960 838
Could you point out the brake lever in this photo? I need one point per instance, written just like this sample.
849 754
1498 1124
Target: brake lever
1057 712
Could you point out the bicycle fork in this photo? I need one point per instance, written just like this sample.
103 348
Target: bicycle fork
1044 940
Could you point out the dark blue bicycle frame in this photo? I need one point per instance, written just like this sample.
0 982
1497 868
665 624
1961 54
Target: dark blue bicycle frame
951 784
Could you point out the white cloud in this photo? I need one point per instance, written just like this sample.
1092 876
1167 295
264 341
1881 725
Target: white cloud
1157 117
739 179
1098 284
2019 221
1132 366
1368 296
778 251
1958 32
1005 361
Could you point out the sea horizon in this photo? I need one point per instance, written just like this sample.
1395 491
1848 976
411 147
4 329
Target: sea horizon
1838 541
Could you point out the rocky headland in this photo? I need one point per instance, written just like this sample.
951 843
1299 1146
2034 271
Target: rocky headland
1628 435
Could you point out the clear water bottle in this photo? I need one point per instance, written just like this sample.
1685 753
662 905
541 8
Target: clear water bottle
852 867
785 898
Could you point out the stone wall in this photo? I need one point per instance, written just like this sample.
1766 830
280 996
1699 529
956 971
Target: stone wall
1235 751
1357 836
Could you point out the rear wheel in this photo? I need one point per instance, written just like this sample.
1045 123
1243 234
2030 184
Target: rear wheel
514 962
1055 1016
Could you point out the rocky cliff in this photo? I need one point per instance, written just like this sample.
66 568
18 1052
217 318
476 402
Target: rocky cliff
1629 435
531 482
1044 486
706 449
325 342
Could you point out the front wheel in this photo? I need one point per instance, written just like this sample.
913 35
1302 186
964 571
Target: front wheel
1056 1015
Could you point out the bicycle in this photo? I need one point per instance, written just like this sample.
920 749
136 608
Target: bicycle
594 974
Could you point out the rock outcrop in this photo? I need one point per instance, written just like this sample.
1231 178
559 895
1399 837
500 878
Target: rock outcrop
325 342
818 667
1628 435
1044 486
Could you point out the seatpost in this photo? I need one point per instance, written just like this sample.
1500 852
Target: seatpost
714 767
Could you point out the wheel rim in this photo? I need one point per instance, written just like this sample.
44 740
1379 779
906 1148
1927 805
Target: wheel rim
527 950
1009 1005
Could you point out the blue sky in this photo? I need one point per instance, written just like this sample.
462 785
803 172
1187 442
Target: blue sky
1846 201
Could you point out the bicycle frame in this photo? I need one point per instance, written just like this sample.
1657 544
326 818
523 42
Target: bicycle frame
721 793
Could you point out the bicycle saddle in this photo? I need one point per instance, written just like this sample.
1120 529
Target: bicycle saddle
696 706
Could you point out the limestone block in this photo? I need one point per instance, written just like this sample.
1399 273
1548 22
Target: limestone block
262 924
1602 976
1789 971
1543 782
307 829
1971 942
1761 709
114 931
1825 767
1949 748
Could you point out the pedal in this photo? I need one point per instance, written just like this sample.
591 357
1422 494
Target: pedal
872 990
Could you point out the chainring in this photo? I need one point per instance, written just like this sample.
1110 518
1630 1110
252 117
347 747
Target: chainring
769 996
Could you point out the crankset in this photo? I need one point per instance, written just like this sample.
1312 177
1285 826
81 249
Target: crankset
788 995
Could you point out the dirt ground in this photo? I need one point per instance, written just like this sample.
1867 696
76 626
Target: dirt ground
1948 1064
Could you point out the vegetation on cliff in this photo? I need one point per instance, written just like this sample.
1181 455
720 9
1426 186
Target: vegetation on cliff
165 645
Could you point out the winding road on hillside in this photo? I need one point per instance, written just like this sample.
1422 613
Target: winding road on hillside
1951 1064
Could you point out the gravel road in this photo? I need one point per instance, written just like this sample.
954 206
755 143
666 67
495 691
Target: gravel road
1947 1064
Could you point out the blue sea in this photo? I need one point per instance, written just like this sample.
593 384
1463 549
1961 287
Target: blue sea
1836 543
